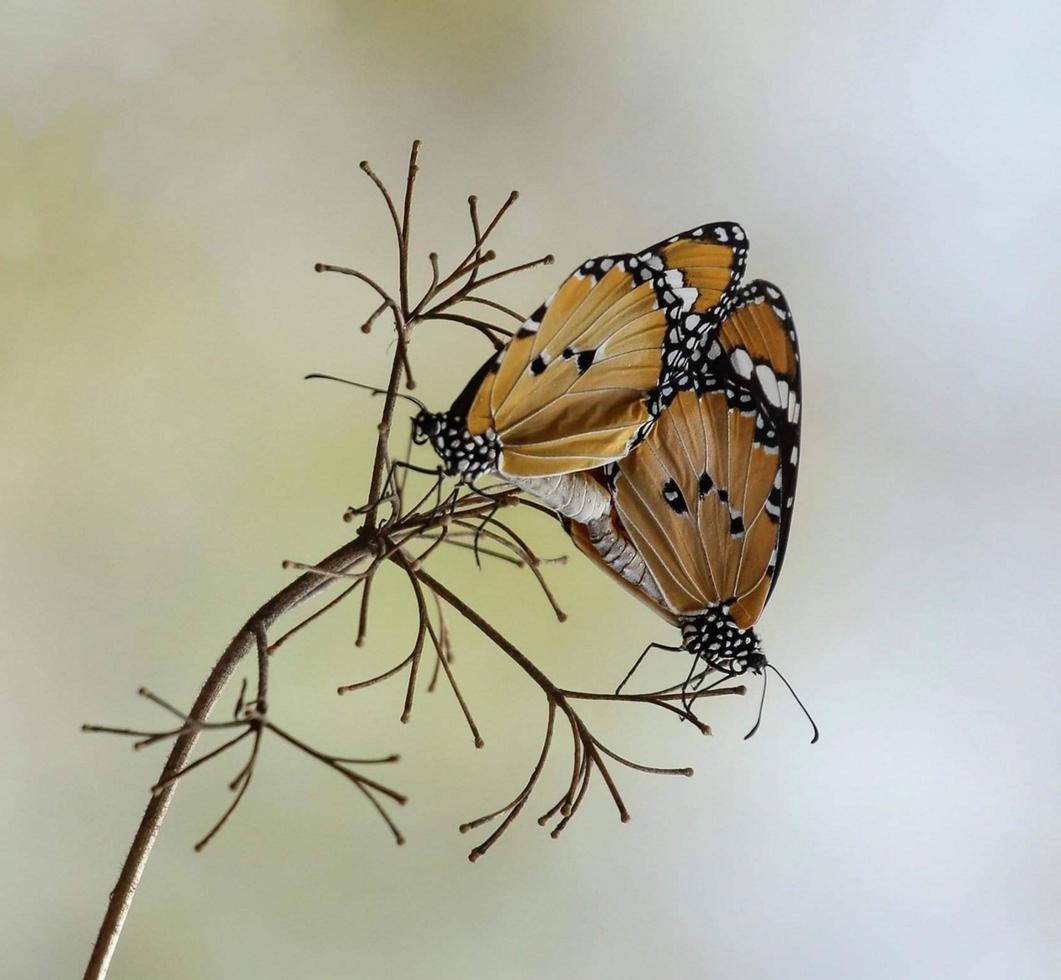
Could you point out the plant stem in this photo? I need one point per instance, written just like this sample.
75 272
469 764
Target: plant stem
245 641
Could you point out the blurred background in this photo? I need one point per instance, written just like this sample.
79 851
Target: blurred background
170 175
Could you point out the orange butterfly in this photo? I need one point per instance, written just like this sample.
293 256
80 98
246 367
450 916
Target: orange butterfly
701 508
582 380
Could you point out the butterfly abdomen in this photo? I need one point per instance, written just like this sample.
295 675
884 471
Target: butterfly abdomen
576 496
616 551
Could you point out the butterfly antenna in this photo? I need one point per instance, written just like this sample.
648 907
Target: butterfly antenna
762 701
796 696
375 391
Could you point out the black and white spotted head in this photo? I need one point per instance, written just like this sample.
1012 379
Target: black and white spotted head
462 454
721 644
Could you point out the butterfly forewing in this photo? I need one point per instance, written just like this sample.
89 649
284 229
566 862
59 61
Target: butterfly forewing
569 391
711 263
580 380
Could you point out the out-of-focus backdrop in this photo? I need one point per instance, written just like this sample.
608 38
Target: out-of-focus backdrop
170 175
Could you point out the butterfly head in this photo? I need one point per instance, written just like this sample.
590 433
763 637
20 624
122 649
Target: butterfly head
463 454
427 425
714 637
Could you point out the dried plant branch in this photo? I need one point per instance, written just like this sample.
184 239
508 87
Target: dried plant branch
461 518
588 751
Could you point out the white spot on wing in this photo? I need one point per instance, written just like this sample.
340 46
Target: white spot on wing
687 295
742 362
768 380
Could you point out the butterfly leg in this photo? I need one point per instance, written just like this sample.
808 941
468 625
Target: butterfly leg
637 663
394 494
498 501
693 681
399 484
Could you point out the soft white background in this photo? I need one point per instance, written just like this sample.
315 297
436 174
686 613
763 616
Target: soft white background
170 174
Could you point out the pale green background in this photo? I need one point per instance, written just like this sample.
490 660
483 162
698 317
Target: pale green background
170 174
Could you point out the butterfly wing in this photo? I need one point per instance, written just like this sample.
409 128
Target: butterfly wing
579 381
759 340
706 498
709 259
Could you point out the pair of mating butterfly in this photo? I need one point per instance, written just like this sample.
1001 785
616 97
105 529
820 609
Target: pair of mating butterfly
654 403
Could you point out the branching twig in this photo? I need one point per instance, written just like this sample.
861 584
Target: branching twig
588 750
461 519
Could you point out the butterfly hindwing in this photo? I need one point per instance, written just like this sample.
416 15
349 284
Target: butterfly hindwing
692 499
758 342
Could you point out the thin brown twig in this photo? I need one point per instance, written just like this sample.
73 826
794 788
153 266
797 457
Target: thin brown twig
382 188
421 631
533 562
494 277
388 302
488 330
276 644
453 542
443 659
403 233
469 266
512 810
518 317
366 327
362 617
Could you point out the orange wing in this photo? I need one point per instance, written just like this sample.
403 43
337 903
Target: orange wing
576 385
761 351
692 498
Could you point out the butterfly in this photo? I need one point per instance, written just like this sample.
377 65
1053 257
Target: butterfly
701 509
582 380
